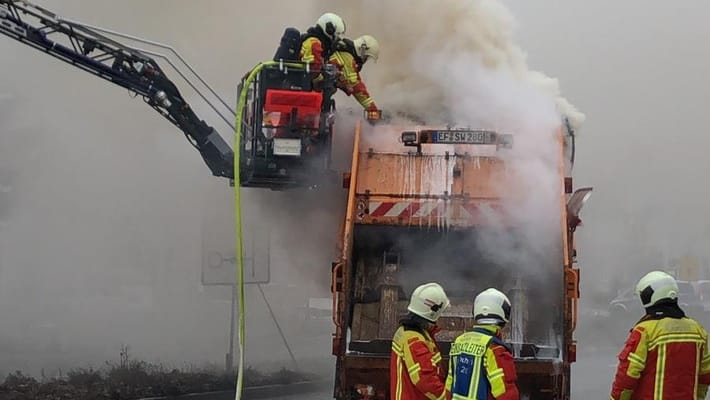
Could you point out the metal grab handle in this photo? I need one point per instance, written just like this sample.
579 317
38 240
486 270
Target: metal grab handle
337 268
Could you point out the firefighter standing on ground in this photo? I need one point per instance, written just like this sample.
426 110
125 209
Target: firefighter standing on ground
416 371
666 355
349 57
481 365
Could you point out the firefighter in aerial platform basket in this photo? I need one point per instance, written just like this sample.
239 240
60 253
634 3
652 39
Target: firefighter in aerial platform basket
416 370
666 354
349 57
314 47
481 365
318 43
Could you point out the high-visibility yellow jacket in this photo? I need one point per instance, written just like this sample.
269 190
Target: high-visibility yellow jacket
665 358
312 52
416 371
481 367
349 80
316 48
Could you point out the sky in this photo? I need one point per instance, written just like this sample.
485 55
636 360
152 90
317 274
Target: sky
100 229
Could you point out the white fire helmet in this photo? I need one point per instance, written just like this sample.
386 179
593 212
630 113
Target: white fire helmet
367 47
491 307
332 25
428 301
656 286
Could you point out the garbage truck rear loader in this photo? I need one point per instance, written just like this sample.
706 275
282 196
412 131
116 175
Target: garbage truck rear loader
440 205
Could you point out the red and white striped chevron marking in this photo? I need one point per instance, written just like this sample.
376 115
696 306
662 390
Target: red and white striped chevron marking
433 209
393 209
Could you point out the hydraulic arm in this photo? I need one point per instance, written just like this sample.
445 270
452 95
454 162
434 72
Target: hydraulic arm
128 67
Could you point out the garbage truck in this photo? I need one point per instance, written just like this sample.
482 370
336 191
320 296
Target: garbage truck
443 205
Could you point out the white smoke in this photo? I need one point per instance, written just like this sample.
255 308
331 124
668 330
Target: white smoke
456 62
422 42
100 239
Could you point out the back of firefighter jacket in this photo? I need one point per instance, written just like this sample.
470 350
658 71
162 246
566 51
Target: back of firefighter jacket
416 371
663 359
481 367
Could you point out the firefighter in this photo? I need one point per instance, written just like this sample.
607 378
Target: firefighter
318 43
416 370
316 47
666 355
481 365
349 57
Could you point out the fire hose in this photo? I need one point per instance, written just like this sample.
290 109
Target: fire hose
241 103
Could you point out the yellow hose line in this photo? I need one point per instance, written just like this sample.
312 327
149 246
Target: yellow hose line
238 213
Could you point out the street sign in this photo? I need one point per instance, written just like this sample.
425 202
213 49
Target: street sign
219 265
219 248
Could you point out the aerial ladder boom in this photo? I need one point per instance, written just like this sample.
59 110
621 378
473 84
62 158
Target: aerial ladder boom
125 66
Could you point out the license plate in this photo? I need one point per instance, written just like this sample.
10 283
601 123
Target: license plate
287 147
465 137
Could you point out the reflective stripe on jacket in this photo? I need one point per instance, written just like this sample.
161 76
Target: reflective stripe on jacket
313 52
663 359
415 366
481 367
349 80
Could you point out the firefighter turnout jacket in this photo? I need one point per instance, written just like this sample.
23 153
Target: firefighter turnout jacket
665 358
481 367
416 371
316 48
349 64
